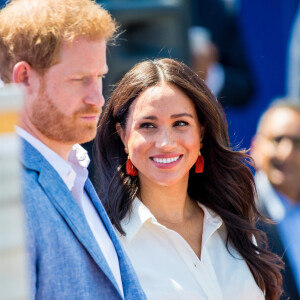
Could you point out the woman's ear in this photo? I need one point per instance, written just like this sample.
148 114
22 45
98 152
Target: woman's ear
121 133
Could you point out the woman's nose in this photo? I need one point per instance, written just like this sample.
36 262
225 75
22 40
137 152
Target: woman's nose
165 140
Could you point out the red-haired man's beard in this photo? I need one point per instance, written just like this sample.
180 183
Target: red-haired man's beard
60 127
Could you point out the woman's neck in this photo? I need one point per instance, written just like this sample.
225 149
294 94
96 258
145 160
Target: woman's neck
168 203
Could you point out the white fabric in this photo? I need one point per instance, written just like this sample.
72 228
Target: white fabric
215 79
74 174
269 197
168 268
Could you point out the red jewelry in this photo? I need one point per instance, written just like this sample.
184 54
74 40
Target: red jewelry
199 167
130 168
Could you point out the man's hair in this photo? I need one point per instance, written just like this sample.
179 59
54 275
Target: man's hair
279 103
33 30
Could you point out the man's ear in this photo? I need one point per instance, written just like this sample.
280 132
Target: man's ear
21 73
24 74
121 133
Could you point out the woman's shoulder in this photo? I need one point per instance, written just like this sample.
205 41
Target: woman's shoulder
135 219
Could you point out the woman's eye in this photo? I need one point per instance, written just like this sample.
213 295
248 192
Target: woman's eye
181 123
147 125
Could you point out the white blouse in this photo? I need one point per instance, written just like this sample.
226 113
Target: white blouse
168 268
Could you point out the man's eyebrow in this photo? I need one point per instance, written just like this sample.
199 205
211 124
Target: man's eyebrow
87 72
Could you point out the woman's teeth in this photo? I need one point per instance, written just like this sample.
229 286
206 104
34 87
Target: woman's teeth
165 160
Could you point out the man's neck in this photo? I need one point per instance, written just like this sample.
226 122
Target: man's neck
292 193
62 149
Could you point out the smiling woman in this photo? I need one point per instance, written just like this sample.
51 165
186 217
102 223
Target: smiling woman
189 228
162 136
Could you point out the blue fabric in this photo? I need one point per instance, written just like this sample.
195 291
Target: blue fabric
65 261
289 230
265 26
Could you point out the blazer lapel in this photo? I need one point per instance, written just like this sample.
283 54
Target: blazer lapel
97 203
276 246
127 271
66 205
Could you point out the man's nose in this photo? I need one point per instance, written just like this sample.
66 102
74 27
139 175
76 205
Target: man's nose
285 149
94 94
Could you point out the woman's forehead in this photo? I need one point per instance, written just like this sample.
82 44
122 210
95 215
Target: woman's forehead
162 96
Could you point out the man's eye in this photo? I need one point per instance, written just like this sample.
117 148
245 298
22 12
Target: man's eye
297 143
277 139
81 79
181 123
294 140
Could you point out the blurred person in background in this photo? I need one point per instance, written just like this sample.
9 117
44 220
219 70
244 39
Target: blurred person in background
217 52
276 152
181 199
56 50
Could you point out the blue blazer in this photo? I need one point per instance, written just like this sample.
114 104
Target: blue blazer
65 261
265 192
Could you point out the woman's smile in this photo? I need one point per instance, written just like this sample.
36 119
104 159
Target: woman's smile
166 161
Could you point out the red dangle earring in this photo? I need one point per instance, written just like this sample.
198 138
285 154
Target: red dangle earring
199 166
130 168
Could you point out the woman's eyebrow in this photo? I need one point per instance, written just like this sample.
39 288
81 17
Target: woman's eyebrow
175 116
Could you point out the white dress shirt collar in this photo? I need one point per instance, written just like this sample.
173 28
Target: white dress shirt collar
78 160
140 214
270 197
211 223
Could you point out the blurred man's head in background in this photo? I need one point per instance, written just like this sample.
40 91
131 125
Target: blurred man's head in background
276 147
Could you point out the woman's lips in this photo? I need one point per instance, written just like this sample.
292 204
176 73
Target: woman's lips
166 161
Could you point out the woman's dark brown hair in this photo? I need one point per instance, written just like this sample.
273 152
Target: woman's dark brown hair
226 186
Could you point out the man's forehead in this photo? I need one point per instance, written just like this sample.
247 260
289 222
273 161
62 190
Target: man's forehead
75 55
281 119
